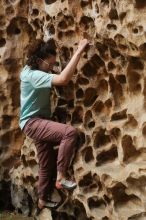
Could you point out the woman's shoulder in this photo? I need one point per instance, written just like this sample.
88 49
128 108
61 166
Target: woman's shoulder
24 72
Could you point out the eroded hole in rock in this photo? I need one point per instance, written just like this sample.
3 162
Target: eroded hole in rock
142 49
5 198
70 33
139 182
107 156
111 66
87 22
119 38
140 216
97 61
122 47
10 161
144 89
95 202
35 12
103 50
133 47
79 93
100 138
88 154
77 115
135 31
2 42
63 215
113 14
79 211
61 113
51 29
105 218
88 120
129 149
121 78
48 2
91 124
48 18
2 21
10 65
116 89
32 163
85 3
62 24
23 159
111 27
119 115
66 92
90 96
89 70
66 22
6 122
114 53
70 104
13 28
32 154
136 63
106 2
37 23
81 138
52 44
144 129
6 140
120 197
15 90
86 180
110 42
108 103
115 132
82 81
140 4
29 179
103 87
98 106
65 54
133 78
132 122
122 15
61 102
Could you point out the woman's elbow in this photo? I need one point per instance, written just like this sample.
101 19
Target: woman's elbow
65 82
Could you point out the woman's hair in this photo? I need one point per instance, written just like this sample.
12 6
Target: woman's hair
39 49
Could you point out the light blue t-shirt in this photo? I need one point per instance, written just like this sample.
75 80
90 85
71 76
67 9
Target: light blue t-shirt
35 94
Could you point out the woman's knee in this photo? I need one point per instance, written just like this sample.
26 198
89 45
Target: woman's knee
72 132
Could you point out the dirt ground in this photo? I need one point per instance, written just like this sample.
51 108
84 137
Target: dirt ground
13 216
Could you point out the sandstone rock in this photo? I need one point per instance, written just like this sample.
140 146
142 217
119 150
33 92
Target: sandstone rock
105 101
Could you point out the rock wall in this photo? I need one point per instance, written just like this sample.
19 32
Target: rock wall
105 100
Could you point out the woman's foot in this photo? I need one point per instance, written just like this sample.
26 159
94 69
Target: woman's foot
65 184
41 204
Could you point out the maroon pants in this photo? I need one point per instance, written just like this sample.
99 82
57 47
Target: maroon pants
46 134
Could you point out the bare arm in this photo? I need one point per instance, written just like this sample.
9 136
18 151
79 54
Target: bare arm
68 72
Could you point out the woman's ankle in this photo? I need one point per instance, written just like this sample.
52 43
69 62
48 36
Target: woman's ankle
41 203
60 175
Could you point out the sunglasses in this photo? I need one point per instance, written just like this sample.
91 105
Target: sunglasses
55 65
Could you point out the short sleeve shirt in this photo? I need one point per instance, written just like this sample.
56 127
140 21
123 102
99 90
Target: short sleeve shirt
35 94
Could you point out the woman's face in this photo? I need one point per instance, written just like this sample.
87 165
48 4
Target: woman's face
47 64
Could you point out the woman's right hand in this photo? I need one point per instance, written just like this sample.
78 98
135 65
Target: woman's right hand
82 44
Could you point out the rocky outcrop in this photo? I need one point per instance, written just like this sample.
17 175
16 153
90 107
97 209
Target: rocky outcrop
105 100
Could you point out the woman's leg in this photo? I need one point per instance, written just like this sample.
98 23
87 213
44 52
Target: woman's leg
47 168
46 131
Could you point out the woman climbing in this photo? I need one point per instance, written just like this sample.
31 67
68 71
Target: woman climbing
35 116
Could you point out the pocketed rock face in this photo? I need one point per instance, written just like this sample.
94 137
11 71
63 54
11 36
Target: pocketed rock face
105 100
